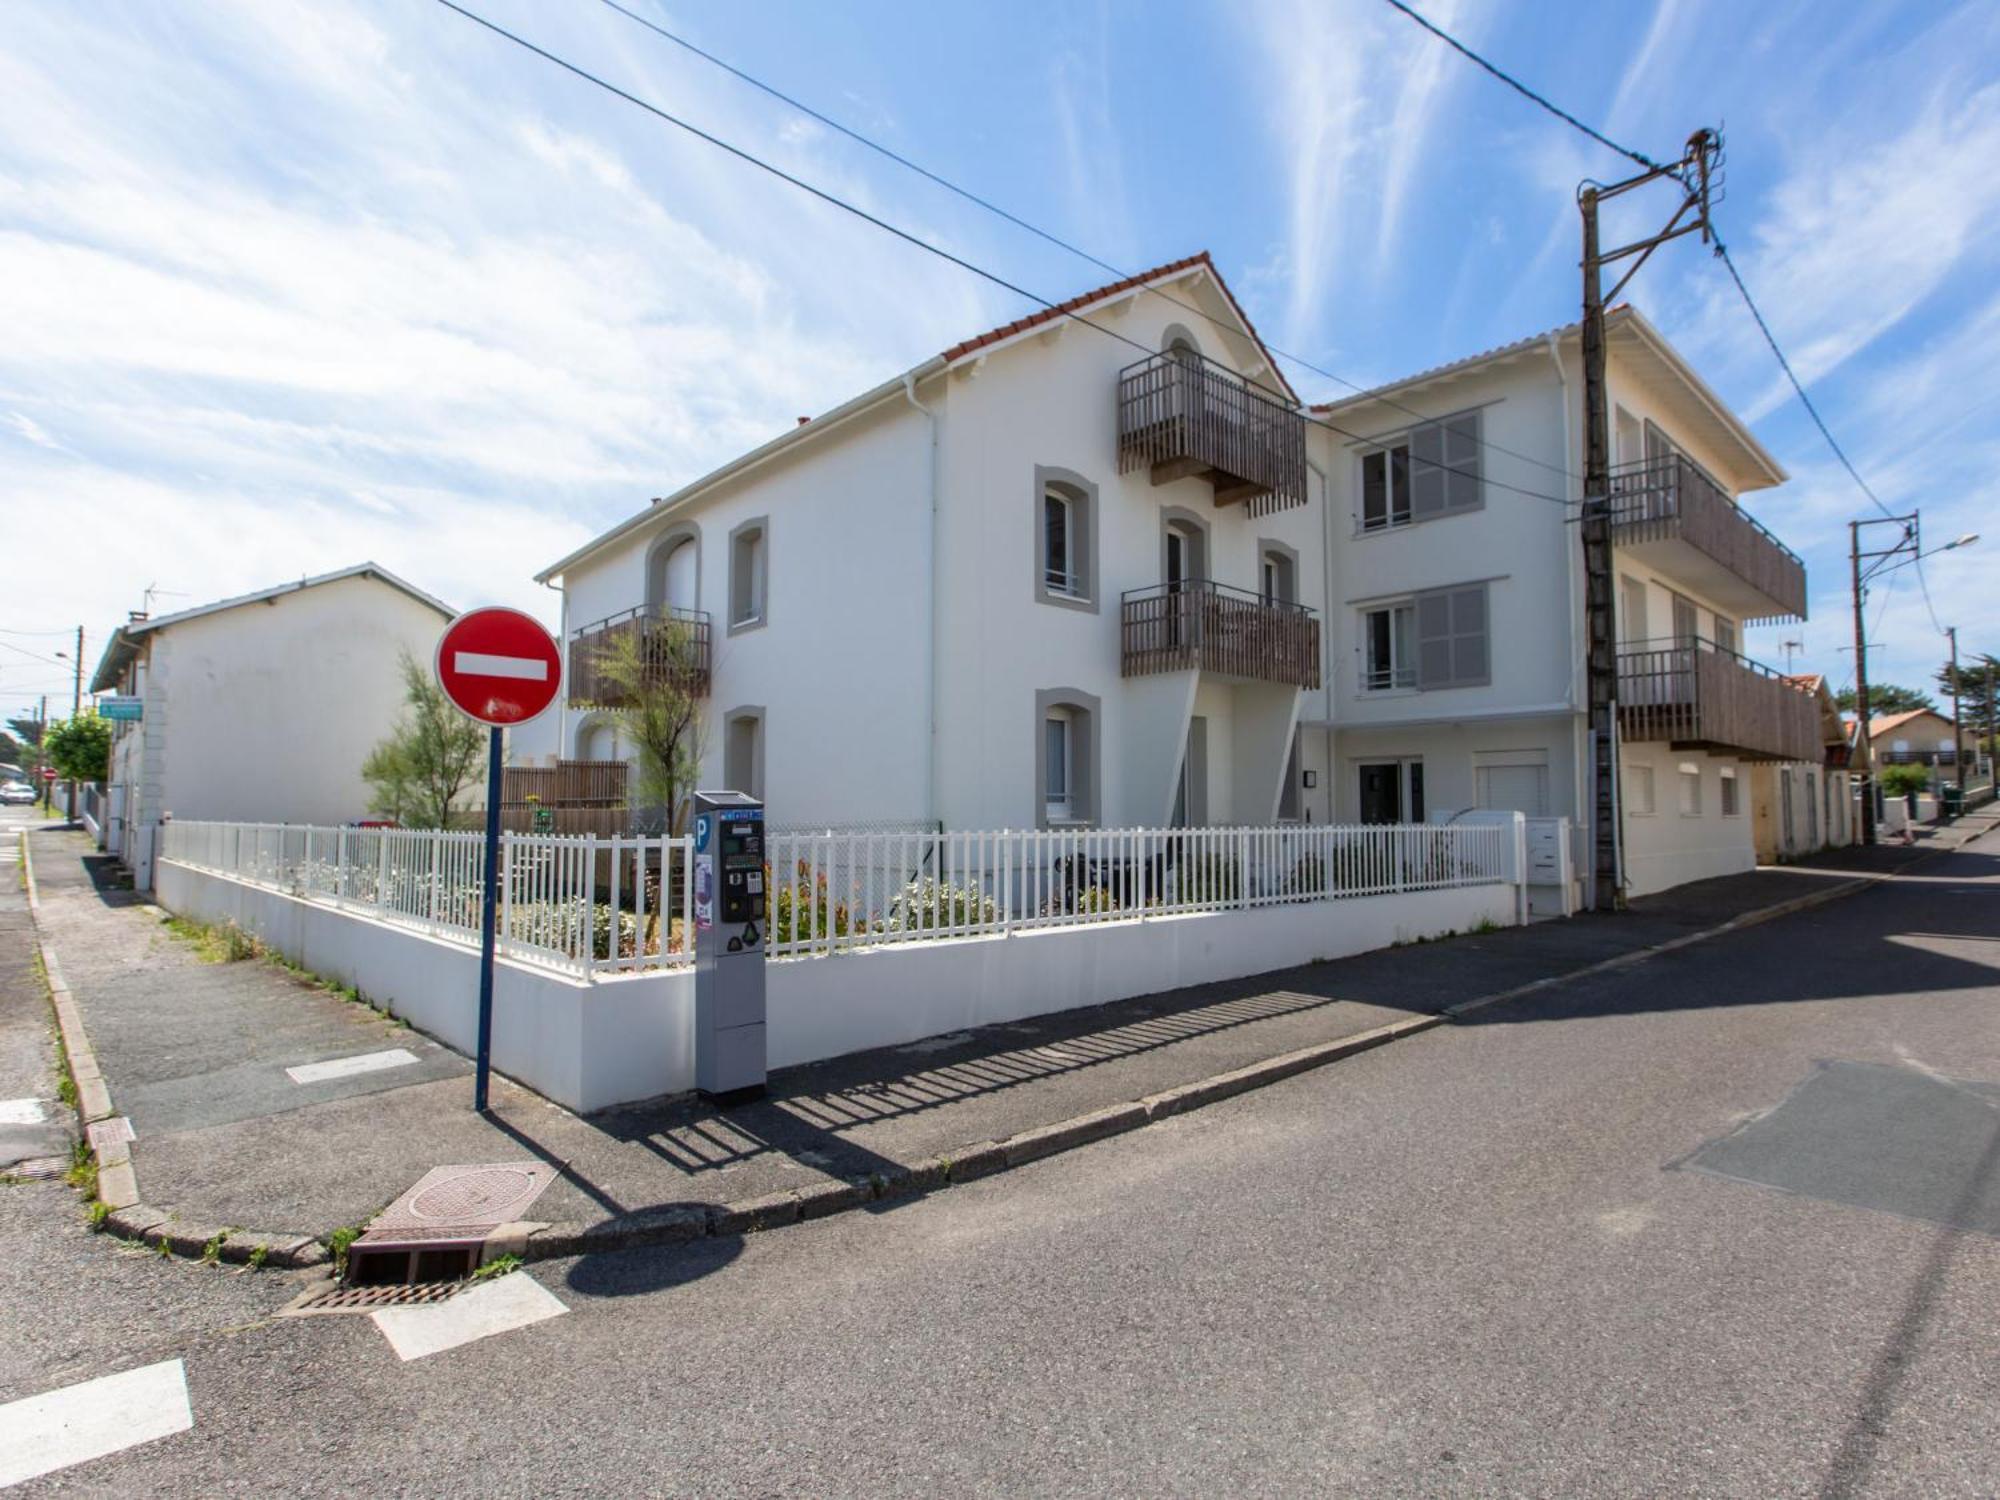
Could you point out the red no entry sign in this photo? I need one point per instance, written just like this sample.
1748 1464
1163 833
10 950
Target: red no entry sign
499 665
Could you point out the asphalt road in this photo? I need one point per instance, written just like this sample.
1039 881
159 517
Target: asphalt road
1723 1223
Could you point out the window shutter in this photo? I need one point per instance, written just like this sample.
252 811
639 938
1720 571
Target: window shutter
1375 490
1469 656
1461 457
1434 639
1427 476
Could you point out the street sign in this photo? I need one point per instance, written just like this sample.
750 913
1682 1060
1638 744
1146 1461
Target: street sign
499 666
122 708
502 668
48 773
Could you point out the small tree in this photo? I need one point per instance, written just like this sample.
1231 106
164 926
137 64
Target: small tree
429 758
1902 779
653 686
1883 698
79 748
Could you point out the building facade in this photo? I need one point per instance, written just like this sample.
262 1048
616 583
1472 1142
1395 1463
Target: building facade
260 708
1054 578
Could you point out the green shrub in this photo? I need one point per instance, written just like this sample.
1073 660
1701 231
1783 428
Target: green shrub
1209 879
928 903
1901 780
800 911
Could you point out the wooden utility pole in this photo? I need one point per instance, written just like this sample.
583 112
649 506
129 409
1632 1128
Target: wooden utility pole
1957 743
76 711
1863 750
1693 172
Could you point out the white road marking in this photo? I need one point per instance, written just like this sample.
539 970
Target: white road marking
500 1306
483 664
21 1112
347 1067
41 1434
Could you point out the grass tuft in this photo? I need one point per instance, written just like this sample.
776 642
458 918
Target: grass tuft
499 1266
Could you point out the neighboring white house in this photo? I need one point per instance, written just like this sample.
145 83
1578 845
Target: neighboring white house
1456 607
260 708
1015 586
1800 807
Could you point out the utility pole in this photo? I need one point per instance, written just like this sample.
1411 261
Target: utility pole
76 711
1957 744
42 752
1693 172
1863 750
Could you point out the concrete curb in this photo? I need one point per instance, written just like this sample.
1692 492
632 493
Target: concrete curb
117 1179
681 1223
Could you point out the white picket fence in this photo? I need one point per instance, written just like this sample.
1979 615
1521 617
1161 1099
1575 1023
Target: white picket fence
595 905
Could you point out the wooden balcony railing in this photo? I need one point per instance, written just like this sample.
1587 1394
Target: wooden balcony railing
1180 415
1212 627
1694 695
672 642
1671 500
578 796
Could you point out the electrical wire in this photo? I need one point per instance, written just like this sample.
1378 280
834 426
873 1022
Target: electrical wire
10 646
912 239
1036 230
1524 91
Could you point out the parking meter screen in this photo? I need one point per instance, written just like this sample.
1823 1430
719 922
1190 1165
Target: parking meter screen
742 870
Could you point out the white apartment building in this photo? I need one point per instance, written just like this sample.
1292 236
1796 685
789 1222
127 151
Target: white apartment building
1045 578
1050 577
259 708
1456 608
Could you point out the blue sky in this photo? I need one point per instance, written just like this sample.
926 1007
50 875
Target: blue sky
290 285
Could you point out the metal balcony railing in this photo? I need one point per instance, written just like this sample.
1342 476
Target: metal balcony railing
1181 415
1211 627
671 642
1670 499
1692 693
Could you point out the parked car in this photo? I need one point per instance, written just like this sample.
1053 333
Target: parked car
17 794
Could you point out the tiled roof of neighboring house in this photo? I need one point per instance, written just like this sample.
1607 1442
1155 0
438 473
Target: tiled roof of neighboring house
124 640
1877 727
1812 682
1144 278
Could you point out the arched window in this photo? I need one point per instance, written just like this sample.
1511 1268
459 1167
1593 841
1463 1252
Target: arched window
1065 539
673 569
1066 790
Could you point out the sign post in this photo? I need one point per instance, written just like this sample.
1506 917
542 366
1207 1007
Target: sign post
500 667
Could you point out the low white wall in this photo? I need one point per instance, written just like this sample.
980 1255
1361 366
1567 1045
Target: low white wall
628 1037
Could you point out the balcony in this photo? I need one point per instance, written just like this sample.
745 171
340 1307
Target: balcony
1667 513
673 643
1182 416
1696 697
1211 627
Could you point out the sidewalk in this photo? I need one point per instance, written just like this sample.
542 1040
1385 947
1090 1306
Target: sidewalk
195 1055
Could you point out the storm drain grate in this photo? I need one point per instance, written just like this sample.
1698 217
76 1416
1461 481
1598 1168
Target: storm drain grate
361 1299
436 1230
39 1169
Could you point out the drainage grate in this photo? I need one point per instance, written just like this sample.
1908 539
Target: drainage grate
39 1169
436 1230
361 1299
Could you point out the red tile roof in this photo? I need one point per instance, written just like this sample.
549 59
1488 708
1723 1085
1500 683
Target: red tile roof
1172 268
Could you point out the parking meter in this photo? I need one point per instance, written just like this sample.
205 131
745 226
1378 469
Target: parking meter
729 938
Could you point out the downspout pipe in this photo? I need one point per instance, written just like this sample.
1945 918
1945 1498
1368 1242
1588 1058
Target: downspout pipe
562 700
931 602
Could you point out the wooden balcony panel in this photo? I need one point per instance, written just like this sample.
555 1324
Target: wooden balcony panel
1210 627
1671 500
671 641
1182 416
1696 698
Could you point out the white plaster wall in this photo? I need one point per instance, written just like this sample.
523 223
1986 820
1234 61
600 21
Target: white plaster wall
1452 753
1666 848
841 666
1050 399
266 711
588 1046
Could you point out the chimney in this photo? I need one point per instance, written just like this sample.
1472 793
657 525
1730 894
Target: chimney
135 616
804 420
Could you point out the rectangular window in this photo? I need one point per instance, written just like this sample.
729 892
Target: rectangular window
1385 488
1725 636
1690 777
1452 648
1057 764
1639 791
1279 583
1686 628
1388 648
1633 592
1731 807
747 571
1058 564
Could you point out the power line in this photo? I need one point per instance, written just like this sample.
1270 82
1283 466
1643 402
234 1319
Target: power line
1524 91
10 646
1042 234
912 239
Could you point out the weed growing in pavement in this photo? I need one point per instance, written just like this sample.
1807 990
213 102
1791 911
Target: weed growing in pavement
498 1266
65 1085
99 1212
258 1256
212 1251
82 1173
163 1249
224 944
1485 925
337 1243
